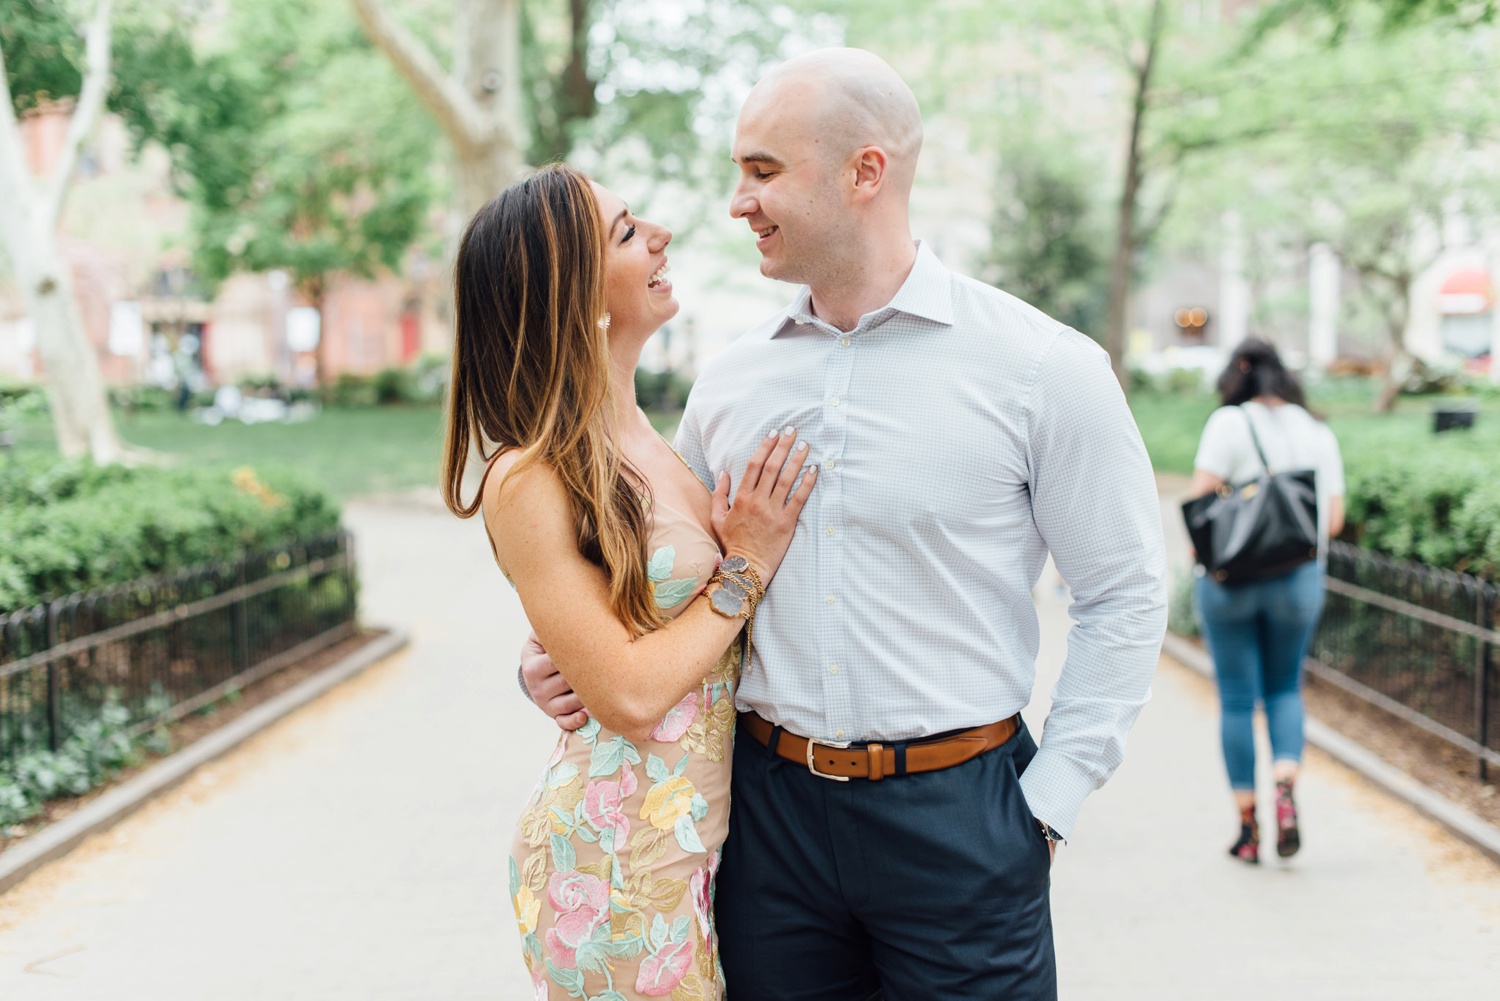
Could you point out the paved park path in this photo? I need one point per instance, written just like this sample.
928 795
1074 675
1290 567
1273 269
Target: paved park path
356 850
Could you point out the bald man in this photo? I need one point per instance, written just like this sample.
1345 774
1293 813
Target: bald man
894 823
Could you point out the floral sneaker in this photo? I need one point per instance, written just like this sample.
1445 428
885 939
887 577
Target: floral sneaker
1247 848
1288 837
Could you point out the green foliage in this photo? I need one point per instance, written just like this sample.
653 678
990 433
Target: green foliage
661 391
1333 19
1182 618
1048 246
421 383
320 159
42 50
97 750
70 526
1438 503
1170 425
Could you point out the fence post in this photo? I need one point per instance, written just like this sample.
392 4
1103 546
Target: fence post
1482 681
54 684
241 623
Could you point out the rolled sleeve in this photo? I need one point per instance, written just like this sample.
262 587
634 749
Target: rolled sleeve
1094 502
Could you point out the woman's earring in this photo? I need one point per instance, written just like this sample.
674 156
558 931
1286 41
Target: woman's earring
604 323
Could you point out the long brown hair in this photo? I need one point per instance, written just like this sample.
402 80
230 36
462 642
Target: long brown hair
531 371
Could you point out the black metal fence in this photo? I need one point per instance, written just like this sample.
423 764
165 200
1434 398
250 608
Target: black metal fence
1418 642
164 646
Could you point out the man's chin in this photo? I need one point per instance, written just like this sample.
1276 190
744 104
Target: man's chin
778 271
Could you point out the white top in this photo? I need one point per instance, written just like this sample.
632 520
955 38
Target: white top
1292 439
961 436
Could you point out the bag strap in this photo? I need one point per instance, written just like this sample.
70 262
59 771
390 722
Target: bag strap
1255 439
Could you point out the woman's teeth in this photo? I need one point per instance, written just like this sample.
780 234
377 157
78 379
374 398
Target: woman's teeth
660 275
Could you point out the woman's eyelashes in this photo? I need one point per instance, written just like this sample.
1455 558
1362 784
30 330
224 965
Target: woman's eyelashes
629 232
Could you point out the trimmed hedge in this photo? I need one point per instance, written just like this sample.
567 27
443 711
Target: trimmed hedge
1439 504
71 526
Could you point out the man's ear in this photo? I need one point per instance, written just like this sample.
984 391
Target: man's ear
868 166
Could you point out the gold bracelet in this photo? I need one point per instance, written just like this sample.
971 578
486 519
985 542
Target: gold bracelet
740 588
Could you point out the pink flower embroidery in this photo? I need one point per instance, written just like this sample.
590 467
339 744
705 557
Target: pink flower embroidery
661 973
539 985
628 783
601 807
701 886
677 720
582 905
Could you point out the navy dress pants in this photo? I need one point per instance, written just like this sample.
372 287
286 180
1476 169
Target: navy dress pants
924 887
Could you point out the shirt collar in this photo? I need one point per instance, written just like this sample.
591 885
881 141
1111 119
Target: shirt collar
927 293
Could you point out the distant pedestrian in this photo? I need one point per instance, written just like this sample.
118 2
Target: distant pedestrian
1258 631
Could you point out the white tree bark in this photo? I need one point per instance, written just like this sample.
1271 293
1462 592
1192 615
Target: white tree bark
29 213
478 104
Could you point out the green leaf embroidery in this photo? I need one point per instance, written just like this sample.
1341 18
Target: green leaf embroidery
699 807
515 878
658 932
627 947
670 594
687 835
562 775
656 768
590 730
660 567
564 859
607 757
680 928
569 980
682 764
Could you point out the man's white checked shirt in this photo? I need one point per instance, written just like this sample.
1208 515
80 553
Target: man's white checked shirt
961 435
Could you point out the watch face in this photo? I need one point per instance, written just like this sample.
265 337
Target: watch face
727 604
735 564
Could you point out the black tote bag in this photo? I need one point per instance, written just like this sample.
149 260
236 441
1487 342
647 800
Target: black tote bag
1257 530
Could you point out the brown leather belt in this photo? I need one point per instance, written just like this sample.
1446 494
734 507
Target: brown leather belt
875 761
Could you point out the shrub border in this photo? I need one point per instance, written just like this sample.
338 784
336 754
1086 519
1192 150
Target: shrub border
57 840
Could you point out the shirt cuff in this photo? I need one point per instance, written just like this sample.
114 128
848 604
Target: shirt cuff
1055 787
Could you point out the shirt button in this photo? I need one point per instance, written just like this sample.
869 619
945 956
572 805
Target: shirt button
833 669
833 402
830 530
838 734
829 600
830 464
844 342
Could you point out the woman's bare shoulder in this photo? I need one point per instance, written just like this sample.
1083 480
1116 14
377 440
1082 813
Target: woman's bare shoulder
513 487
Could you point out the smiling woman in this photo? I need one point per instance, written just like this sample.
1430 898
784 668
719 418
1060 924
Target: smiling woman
610 541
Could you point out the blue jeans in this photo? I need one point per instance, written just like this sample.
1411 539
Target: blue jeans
1258 634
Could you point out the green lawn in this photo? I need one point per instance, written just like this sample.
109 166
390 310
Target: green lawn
1170 424
353 452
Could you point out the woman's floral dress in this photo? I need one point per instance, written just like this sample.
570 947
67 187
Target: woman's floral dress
612 870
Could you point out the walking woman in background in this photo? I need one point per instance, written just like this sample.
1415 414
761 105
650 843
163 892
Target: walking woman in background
1258 631
635 576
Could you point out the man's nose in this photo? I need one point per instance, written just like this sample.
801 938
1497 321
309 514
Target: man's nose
741 203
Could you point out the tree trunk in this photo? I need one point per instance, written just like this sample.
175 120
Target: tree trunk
29 215
478 104
1402 363
1126 235
75 390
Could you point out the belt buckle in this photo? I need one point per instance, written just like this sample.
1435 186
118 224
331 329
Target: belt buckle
814 769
